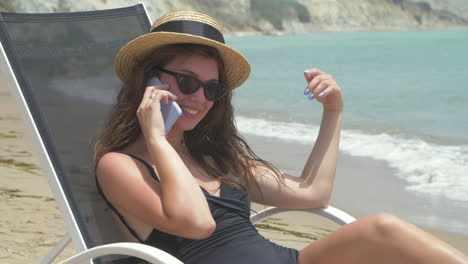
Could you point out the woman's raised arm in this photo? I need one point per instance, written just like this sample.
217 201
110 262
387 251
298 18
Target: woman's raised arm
314 186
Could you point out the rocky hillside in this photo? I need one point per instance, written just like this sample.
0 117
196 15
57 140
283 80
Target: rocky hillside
457 7
6 6
358 15
288 16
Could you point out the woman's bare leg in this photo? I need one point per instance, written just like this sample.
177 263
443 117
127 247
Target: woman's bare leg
380 239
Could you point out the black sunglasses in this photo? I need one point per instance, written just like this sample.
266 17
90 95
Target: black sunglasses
189 84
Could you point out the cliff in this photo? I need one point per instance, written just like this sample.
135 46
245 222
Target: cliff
457 7
288 16
378 15
7 6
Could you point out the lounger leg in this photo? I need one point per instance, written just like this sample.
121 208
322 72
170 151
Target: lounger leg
57 249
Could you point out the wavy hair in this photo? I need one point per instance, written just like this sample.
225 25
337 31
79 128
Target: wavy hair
215 136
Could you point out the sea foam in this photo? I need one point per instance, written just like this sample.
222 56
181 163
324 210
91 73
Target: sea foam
439 170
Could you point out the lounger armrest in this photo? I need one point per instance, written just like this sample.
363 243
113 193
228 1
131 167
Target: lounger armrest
332 213
142 251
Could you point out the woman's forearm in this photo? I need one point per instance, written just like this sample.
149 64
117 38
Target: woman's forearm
182 197
320 168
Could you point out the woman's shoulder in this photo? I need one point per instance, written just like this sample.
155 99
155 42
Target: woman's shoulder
115 163
111 159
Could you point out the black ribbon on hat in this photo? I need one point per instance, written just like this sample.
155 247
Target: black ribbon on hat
191 27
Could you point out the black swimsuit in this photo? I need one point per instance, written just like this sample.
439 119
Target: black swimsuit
235 240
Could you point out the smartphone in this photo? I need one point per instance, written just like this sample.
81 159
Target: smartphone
170 111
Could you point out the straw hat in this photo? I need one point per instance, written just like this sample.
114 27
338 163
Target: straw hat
183 27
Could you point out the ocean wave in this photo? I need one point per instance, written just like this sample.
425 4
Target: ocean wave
439 170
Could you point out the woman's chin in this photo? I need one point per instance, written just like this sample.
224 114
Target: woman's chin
185 126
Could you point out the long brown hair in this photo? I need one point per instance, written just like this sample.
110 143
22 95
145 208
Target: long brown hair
216 136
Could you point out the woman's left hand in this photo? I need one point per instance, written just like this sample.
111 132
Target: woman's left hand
323 88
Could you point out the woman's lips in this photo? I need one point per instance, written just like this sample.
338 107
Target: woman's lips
190 112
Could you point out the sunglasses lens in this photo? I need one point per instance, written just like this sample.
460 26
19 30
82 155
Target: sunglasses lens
214 90
187 84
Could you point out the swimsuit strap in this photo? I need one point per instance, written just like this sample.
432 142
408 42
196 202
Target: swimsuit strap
147 165
122 219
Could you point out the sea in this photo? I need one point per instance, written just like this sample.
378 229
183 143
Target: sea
406 102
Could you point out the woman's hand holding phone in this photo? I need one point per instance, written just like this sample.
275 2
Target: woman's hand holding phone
156 103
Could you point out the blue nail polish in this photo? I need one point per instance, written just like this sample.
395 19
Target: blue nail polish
321 94
306 71
306 91
311 96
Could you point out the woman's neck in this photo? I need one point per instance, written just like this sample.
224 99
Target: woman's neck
176 139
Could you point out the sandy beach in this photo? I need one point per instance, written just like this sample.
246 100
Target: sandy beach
31 223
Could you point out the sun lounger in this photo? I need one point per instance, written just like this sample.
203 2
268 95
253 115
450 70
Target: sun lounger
60 68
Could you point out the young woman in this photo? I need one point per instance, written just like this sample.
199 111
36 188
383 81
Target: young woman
188 192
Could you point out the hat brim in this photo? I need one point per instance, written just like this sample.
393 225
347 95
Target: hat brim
237 69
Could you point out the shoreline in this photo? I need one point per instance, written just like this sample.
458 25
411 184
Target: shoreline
340 30
356 189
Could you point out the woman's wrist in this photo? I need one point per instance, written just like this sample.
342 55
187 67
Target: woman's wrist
333 107
156 141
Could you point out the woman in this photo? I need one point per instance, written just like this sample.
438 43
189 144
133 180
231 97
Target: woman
189 192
